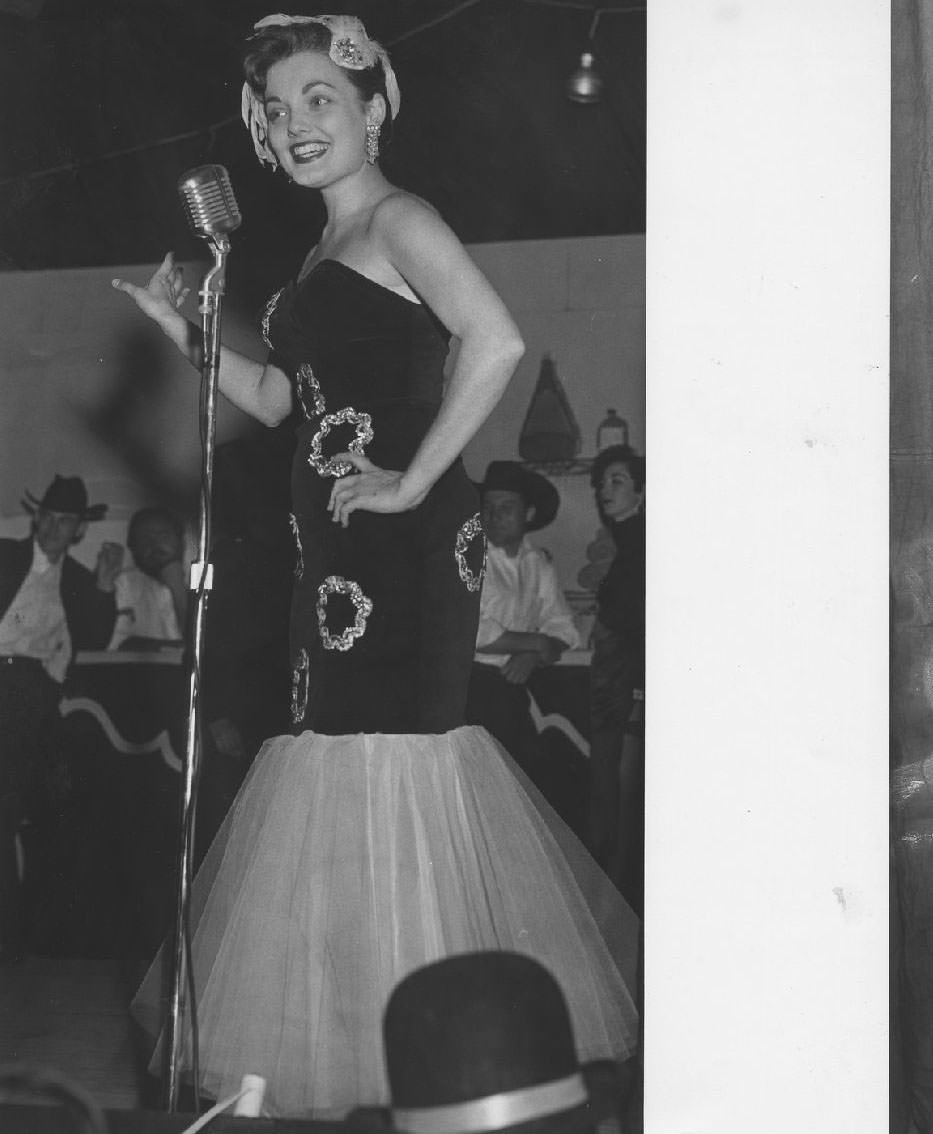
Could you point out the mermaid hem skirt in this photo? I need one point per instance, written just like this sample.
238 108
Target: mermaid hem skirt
348 861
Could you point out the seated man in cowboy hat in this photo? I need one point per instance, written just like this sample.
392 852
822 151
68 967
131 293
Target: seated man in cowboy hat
524 621
483 1042
50 606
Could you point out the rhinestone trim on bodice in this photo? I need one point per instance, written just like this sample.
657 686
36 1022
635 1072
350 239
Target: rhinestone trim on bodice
296 532
267 314
469 530
300 686
309 392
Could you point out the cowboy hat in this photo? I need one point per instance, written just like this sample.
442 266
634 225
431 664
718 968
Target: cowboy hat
483 1042
536 490
65 494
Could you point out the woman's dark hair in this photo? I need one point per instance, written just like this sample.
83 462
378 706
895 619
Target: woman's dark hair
272 44
618 455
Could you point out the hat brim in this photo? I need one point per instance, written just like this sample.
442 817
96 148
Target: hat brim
32 504
539 493
608 1085
546 504
580 1120
608 1089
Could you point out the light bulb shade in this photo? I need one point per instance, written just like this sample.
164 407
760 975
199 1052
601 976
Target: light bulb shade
585 84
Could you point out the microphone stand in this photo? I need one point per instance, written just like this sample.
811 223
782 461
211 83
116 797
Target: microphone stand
201 580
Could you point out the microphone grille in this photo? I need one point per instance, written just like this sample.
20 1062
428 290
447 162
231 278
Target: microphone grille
209 202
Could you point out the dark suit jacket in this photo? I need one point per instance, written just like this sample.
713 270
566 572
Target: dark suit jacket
89 612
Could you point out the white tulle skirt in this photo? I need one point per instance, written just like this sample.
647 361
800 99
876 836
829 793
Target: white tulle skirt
344 863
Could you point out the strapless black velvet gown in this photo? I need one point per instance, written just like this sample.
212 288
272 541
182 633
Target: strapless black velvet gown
385 610
384 834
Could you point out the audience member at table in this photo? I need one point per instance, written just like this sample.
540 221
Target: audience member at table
525 622
152 594
617 769
50 607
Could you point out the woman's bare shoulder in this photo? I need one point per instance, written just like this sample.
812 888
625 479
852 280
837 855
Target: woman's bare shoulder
402 207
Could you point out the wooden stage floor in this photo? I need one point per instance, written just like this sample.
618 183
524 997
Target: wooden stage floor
71 1016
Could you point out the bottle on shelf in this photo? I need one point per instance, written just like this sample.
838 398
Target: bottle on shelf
613 430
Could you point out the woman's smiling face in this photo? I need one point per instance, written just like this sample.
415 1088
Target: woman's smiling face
316 119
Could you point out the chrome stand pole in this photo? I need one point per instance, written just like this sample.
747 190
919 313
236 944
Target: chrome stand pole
201 580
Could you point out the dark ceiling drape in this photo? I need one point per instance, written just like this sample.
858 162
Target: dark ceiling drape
107 102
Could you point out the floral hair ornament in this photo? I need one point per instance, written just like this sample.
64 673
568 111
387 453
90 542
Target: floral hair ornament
350 47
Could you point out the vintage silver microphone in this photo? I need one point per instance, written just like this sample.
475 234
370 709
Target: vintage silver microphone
210 205
213 214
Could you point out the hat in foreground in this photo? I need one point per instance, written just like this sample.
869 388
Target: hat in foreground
481 1042
66 494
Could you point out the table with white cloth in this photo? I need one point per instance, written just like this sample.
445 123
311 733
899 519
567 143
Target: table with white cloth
138 700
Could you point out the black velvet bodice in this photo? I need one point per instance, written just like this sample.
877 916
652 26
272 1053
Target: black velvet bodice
384 611
365 344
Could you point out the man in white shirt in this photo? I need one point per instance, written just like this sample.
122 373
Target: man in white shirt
151 595
50 607
525 622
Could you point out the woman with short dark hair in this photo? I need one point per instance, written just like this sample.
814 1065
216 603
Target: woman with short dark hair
617 673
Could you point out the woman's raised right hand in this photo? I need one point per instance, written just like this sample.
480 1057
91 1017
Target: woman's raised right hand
162 296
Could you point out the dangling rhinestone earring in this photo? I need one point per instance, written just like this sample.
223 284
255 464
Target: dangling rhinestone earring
372 142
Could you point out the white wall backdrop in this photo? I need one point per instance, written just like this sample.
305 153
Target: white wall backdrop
88 387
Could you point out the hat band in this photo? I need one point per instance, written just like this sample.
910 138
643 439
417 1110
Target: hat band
494 1111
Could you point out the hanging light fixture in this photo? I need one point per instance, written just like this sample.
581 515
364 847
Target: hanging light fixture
586 83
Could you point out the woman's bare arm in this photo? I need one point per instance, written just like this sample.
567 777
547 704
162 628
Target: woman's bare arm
424 251
434 263
262 391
